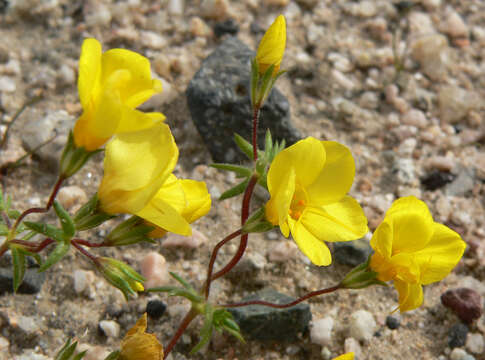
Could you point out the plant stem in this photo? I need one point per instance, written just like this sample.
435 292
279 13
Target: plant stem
244 238
185 322
282 306
84 251
213 260
255 131
87 243
53 195
34 247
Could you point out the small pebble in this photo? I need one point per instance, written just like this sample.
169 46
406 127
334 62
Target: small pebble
283 251
193 241
416 118
214 9
83 282
156 308
154 268
393 322
460 354
454 25
362 325
94 352
321 331
28 325
71 196
175 7
229 27
110 328
7 84
475 343
464 302
352 345
457 335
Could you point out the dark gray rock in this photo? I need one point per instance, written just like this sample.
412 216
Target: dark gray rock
393 322
457 335
219 102
33 280
266 323
351 253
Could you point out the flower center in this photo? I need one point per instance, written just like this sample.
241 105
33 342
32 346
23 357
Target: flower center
298 203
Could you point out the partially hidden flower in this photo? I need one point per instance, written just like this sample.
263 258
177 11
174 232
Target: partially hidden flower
138 345
413 250
308 183
120 275
272 46
346 356
177 204
111 86
138 180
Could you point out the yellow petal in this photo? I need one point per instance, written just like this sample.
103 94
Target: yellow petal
139 67
440 255
336 176
197 198
340 221
135 167
412 224
382 238
138 345
314 248
89 70
347 356
306 157
410 295
272 46
278 205
134 120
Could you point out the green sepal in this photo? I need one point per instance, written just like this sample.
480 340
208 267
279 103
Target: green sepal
131 231
46 229
73 158
67 223
241 171
120 275
236 190
90 216
113 356
223 320
19 266
257 223
245 146
56 255
67 352
206 331
361 277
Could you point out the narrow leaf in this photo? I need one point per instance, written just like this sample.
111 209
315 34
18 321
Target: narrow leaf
184 283
245 146
67 223
18 267
46 229
205 333
56 255
113 356
241 171
236 190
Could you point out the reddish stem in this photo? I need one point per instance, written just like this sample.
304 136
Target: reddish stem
213 259
282 306
84 251
34 247
255 132
244 238
185 322
53 195
87 243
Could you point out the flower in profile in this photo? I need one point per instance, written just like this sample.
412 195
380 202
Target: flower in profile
272 46
413 250
138 345
346 356
120 275
136 165
177 204
308 183
111 85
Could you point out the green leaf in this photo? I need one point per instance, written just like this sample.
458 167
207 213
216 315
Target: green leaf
56 255
13 214
236 190
113 356
206 331
241 171
66 221
268 142
19 267
176 291
80 355
46 229
87 208
4 229
67 352
245 146
184 283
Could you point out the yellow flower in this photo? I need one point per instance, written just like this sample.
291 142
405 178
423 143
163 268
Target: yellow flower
413 250
136 165
346 356
308 183
177 204
272 46
138 345
111 85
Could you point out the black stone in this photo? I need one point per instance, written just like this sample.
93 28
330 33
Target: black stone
156 308
218 97
351 253
392 322
457 335
3 6
437 179
269 324
226 27
33 280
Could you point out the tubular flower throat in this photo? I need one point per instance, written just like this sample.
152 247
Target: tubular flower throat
308 183
111 85
138 345
272 46
413 250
